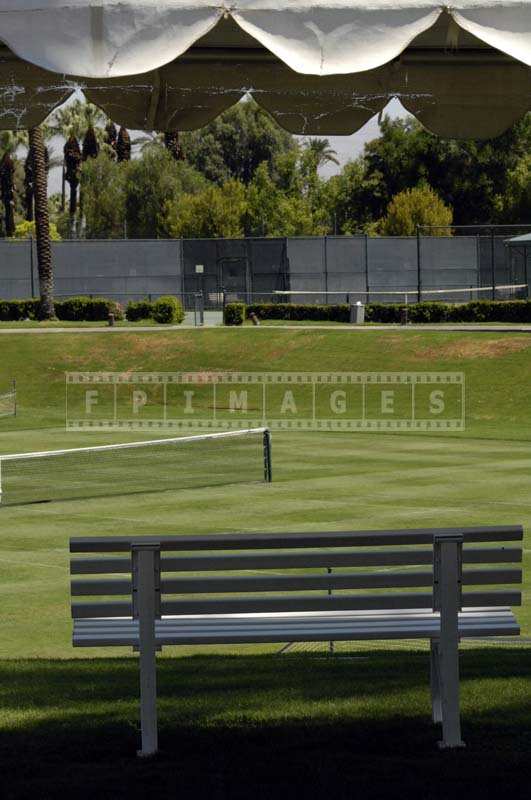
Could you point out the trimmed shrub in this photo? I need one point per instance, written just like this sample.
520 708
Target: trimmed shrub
139 309
77 309
87 309
14 310
427 311
234 313
296 311
167 310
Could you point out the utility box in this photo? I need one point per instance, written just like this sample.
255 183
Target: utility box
357 313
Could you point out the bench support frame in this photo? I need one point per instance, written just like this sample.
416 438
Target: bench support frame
146 608
445 652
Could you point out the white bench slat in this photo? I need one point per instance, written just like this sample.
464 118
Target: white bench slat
282 541
231 630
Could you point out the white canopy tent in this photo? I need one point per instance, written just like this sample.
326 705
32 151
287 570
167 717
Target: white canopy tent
318 66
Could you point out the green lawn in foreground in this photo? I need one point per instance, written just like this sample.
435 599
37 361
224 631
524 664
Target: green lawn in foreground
264 727
253 724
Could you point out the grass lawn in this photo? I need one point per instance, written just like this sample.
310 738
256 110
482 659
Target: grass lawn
243 723
264 727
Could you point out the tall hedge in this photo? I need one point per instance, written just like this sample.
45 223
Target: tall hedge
425 312
77 309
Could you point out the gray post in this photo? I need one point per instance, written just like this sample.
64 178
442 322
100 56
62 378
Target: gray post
419 268
32 276
492 264
146 608
367 280
447 600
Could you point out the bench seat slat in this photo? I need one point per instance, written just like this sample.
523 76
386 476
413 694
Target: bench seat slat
372 558
243 541
320 627
292 583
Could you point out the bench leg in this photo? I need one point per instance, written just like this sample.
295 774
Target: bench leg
447 573
147 648
435 682
451 722
148 701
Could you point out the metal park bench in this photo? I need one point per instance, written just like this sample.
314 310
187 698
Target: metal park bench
194 590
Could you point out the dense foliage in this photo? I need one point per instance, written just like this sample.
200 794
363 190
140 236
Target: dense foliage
242 175
87 309
474 311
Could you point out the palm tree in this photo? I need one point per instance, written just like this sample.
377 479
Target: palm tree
29 173
111 136
71 122
123 145
323 152
9 143
42 223
173 145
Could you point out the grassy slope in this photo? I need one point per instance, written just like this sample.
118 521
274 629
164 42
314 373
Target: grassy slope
255 726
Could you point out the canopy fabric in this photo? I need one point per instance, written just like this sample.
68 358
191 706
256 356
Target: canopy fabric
116 38
167 64
188 93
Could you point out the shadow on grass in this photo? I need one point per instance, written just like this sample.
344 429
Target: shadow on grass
263 727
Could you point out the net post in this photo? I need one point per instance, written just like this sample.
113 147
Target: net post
14 404
268 468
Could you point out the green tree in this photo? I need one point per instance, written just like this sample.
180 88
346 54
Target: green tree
272 212
103 183
413 207
214 212
153 181
470 176
236 143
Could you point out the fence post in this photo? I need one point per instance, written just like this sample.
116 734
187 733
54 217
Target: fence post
146 608
325 252
419 268
367 268
492 264
447 552
32 276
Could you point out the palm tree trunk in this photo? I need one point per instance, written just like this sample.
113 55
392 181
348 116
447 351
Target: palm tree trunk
42 224
7 173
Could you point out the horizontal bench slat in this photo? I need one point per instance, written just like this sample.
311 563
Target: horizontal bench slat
294 628
294 583
243 541
300 603
374 558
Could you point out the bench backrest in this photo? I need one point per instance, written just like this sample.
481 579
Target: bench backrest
246 573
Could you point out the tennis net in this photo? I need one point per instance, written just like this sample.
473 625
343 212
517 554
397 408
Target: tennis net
186 462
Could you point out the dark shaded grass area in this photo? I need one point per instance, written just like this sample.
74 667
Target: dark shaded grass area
265 727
